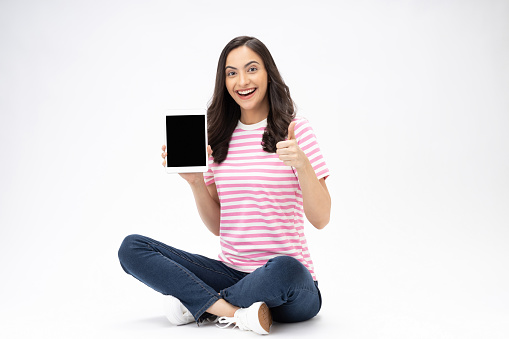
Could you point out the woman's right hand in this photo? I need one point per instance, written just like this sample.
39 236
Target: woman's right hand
191 178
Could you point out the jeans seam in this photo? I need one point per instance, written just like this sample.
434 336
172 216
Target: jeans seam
190 276
193 262
178 266
206 307
213 296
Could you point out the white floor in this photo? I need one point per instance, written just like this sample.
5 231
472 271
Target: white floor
130 317
91 297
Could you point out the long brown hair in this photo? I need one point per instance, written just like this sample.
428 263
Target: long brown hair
224 113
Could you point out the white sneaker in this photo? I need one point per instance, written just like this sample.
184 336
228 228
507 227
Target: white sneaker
176 312
256 318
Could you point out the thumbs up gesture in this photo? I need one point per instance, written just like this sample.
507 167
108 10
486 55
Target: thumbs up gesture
289 151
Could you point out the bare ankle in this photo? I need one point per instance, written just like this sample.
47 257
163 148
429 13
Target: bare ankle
222 308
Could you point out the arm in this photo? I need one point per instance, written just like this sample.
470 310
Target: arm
206 198
207 202
315 195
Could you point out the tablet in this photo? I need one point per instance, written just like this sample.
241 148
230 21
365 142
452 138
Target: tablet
186 141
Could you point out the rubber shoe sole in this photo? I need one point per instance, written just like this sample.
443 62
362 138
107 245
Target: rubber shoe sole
264 317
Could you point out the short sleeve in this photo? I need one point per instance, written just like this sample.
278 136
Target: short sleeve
209 175
308 143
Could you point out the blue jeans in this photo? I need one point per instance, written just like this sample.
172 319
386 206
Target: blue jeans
283 283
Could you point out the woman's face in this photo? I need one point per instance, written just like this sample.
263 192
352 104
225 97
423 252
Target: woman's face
246 80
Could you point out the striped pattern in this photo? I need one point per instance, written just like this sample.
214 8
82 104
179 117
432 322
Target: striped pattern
262 212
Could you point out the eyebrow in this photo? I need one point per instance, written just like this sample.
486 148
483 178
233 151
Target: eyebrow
249 63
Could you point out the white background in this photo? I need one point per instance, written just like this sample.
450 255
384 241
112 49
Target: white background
409 100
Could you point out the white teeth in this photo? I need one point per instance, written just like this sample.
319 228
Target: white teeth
246 92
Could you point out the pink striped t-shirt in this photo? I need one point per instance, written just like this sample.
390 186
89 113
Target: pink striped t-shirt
262 214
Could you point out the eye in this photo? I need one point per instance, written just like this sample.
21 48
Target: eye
252 69
230 73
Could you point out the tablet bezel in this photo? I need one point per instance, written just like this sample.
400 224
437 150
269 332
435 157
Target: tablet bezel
187 169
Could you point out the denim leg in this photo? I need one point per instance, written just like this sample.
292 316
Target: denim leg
284 284
193 279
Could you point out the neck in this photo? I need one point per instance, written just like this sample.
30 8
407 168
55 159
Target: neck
249 117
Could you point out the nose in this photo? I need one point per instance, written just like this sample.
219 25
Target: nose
243 79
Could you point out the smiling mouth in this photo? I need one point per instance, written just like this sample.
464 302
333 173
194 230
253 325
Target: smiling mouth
246 92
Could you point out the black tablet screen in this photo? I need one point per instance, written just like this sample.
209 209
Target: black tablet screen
185 140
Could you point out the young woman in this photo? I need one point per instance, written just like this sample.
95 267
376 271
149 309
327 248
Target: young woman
266 173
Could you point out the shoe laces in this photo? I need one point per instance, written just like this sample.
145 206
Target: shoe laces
232 320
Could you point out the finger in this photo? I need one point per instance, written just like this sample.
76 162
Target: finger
286 157
284 144
209 150
164 163
163 148
283 151
291 131
164 154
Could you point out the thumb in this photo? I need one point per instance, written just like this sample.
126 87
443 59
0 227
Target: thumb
209 150
291 131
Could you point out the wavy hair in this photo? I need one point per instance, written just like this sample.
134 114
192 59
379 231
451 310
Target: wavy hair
224 113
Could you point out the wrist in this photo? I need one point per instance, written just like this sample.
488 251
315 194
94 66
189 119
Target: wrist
305 167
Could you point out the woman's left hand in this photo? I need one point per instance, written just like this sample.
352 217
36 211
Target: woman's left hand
289 151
